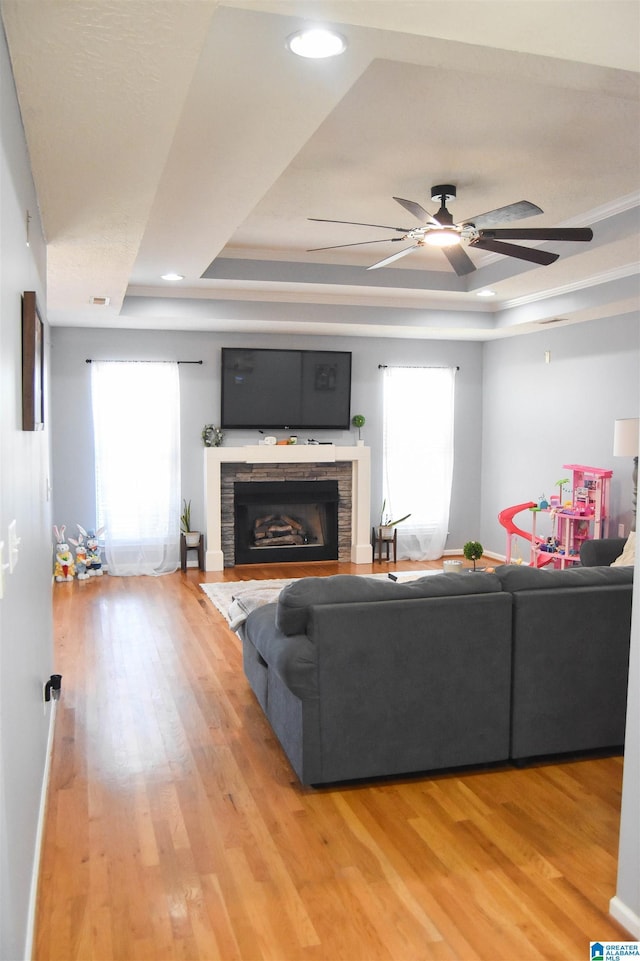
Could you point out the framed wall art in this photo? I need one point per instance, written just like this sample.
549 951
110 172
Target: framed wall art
32 364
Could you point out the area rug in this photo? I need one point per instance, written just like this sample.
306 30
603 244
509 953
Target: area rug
236 599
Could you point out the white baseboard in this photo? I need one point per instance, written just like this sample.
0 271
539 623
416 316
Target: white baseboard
458 550
496 557
623 914
37 853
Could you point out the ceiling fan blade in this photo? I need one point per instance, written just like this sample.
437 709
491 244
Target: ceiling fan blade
388 260
539 233
502 215
513 250
459 260
360 243
356 223
417 210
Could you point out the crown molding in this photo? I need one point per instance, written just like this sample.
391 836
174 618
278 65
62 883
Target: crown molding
619 273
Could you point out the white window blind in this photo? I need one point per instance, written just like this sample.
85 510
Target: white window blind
136 419
418 456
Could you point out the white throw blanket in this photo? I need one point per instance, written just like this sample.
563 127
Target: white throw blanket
248 600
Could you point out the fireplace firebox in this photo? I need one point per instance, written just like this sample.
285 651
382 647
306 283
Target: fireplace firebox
283 521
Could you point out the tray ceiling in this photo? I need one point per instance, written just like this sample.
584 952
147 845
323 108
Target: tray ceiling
172 136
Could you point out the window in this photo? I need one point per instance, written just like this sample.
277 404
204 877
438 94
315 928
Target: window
418 456
136 420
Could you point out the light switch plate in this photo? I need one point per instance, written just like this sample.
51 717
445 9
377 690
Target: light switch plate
2 567
14 540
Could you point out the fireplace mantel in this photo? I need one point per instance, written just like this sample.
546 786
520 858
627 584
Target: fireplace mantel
359 457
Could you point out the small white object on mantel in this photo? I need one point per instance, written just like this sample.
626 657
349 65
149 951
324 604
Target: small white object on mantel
359 457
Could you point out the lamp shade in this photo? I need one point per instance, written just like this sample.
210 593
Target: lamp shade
625 437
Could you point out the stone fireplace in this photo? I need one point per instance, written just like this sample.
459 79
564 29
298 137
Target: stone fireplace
345 469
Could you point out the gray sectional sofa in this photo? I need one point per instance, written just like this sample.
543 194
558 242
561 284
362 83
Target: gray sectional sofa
361 677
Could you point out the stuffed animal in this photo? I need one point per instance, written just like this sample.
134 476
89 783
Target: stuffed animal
94 560
65 568
81 557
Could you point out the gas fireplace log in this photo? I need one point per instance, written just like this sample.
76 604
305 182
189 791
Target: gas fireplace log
285 540
276 535
296 525
275 530
264 520
273 526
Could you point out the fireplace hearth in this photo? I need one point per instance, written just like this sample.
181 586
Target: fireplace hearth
283 521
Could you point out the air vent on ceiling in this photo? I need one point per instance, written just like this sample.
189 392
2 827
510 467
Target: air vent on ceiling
100 301
552 320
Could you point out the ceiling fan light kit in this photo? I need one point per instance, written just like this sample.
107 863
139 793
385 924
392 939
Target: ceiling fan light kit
442 238
440 230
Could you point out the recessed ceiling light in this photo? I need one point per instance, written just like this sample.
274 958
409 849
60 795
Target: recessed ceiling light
486 293
316 43
172 276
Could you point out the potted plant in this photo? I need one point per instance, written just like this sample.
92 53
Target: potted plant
192 537
473 551
358 420
386 525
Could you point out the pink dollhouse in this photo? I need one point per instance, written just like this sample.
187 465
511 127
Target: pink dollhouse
585 516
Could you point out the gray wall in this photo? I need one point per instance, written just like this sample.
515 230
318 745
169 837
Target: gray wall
539 416
25 609
73 468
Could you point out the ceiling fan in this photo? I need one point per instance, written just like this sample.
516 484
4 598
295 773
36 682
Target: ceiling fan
439 230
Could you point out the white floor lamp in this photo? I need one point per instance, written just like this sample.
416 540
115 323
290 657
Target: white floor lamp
626 444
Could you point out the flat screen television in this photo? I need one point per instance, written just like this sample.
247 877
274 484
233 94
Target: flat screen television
285 389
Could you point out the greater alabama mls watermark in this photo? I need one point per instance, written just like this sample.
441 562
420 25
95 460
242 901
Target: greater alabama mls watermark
613 950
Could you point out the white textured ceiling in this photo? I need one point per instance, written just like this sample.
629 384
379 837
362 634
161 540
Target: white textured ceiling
182 135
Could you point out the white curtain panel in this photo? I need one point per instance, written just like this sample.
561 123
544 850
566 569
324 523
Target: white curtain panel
418 456
136 418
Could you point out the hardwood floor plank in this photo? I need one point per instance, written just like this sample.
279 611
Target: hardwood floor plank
176 828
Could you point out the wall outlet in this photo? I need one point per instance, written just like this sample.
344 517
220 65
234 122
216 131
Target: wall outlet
620 530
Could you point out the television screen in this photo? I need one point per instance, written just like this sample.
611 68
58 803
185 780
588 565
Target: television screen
285 389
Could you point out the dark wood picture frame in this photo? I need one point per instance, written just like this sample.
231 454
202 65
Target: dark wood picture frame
32 364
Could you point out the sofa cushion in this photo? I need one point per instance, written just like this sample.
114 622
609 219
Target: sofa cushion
293 658
600 551
514 577
298 598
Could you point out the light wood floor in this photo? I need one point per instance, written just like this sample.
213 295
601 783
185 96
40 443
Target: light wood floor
176 828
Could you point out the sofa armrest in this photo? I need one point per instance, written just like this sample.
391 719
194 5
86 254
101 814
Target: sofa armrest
600 553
